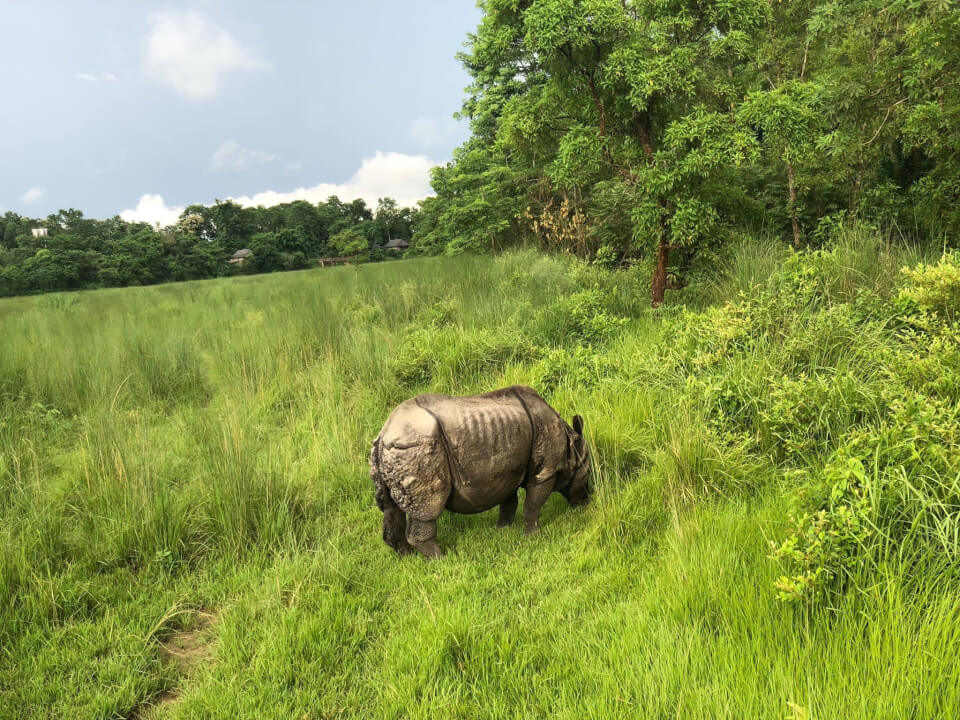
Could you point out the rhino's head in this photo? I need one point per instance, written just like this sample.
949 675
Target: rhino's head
577 488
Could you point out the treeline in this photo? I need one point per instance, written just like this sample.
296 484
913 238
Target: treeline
79 252
650 130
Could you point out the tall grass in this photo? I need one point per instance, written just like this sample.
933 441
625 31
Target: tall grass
202 447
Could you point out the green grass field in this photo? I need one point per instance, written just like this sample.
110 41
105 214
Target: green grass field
187 525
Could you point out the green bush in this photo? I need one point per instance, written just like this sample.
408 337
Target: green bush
583 317
433 354
579 367
827 537
893 486
847 372
801 414
933 290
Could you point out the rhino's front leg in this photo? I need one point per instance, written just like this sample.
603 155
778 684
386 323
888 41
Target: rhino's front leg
422 534
538 493
508 510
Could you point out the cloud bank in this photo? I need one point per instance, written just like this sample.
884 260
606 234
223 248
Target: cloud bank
405 178
191 54
153 210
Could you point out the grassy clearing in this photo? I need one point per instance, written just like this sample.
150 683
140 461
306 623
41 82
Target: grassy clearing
177 453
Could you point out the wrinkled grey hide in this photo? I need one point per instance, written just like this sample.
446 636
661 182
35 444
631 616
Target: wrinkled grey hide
469 454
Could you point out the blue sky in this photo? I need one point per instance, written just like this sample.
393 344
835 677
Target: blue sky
140 107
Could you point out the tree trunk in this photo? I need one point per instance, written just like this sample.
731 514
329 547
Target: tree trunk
855 192
601 112
659 285
793 205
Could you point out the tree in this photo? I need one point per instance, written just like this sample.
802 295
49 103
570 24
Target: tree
350 242
11 225
139 258
233 224
392 220
483 201
267 255
787 110
627 106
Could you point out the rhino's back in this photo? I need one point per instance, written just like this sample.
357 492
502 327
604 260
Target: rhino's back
490 437
494 426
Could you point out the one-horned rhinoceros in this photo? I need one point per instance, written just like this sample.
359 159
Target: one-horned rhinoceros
468 454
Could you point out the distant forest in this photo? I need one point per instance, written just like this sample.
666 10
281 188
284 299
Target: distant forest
79 252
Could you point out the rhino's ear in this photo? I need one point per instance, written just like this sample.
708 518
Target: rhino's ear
578 424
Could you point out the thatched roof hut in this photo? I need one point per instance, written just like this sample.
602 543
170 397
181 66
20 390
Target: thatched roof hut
240 255
397 244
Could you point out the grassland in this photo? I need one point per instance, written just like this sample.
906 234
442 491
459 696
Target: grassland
187 526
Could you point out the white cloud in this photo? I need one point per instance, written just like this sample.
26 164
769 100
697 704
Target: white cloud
153 210
293 167
429 132
191 54
96 77
33 195
231 155
405 178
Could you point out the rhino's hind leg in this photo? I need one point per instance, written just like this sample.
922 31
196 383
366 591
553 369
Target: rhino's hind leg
508 510
422 534
395 530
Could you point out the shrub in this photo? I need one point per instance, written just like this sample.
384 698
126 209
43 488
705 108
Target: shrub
579 367
581 318
429 353
929 365
705 338
932 289
803 414
442 313
910 499
824 544
849 370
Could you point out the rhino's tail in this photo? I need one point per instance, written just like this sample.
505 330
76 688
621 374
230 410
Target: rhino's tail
381 492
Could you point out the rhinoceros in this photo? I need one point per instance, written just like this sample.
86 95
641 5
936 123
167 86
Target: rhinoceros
469 454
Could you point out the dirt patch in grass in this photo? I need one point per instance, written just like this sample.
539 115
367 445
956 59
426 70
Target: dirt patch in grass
184 650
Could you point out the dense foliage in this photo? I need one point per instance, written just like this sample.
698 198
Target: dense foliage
647 129
80 252
847 373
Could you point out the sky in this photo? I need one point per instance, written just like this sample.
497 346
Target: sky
139 108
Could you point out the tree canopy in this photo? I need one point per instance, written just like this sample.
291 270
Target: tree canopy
649 129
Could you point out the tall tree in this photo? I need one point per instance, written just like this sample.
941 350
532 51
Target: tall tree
628 105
